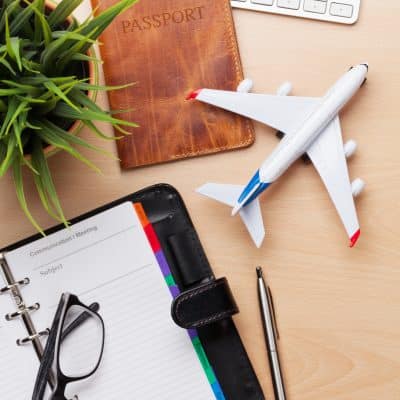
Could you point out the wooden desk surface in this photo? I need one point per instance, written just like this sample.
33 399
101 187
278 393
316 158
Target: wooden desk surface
338 309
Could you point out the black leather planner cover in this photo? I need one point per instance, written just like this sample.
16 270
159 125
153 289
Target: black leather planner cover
205 303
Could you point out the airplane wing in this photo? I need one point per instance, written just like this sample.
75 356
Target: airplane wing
327 155
284 113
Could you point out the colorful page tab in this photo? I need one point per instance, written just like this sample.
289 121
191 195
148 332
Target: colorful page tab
169 279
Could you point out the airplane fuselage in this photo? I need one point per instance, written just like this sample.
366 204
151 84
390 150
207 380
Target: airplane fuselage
293 146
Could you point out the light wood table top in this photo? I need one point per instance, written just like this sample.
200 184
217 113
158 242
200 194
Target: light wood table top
338 309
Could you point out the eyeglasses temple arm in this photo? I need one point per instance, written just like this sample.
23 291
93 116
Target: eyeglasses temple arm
79 320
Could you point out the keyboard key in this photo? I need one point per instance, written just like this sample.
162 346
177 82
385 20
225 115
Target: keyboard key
341 10
315 6
292 4
263 2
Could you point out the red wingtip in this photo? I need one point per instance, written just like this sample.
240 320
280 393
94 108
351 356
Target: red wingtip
193 95
354 238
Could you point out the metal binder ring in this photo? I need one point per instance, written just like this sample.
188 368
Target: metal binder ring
24 310
7 288
31 338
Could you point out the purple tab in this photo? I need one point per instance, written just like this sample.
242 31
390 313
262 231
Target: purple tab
192 333
163 263
174 291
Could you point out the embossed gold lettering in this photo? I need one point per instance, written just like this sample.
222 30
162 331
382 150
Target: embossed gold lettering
189 14
147 22
156 21
178 17
125 25
165 19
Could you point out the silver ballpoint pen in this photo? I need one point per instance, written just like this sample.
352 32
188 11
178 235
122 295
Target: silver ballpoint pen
271 335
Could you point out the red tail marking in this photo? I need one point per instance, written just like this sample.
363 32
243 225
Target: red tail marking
193 95
354 238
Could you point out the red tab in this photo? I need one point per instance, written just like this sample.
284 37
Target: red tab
153 239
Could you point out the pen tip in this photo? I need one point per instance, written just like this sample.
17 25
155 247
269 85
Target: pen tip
259 272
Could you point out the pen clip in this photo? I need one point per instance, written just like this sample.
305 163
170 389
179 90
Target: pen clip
274 323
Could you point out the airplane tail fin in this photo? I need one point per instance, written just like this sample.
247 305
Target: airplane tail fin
252 218
250 214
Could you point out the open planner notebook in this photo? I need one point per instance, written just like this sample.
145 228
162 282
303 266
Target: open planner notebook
110 258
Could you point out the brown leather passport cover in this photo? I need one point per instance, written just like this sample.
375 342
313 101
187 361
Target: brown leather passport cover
169 48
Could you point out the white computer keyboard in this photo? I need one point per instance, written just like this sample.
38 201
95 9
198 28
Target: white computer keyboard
342 11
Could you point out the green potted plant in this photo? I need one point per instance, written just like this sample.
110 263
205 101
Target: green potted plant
48 86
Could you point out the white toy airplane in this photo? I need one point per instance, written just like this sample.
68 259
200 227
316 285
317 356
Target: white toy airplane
311 126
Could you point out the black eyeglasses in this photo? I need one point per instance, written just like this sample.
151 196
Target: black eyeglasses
74 347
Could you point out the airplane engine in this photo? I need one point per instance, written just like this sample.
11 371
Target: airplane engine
285 89
245 86
350 148
357 186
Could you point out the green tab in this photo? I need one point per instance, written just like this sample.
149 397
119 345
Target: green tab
170 280
204 360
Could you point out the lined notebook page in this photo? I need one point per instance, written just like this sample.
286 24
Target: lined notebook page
107 258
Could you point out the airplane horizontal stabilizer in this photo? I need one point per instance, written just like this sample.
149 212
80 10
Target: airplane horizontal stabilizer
227 194
250 214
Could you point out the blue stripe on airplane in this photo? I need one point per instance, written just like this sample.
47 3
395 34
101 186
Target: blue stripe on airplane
254 182
261 188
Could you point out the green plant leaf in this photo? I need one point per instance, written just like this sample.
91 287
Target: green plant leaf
38 33
63 110
73 139
21 108
32 100
31 126
44 198
40 79
27 88
11 92
80 97
16 126
31 66
6 64
58 92
13 46
99 133
3 106
45 184
12 107
43 25
3 152
84 57
11 154
22 18
53 51
103 20
19 188
8 8
66 57
63 10
48 136
88 86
